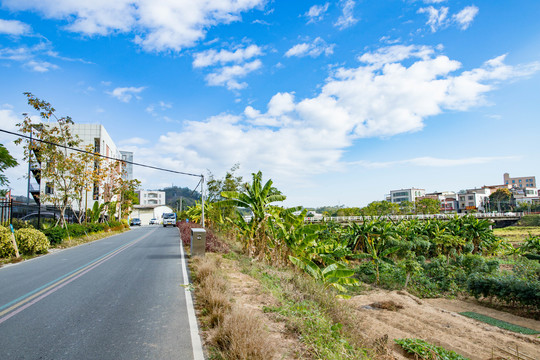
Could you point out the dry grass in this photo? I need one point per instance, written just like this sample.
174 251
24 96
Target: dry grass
237 334
241 337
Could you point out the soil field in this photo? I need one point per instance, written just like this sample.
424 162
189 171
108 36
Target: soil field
434 320
437 321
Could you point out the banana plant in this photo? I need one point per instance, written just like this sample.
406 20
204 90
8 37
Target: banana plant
335 275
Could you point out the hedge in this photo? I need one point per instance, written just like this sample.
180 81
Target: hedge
32 241
507 288
6 244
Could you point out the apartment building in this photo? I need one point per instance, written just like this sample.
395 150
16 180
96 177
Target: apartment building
102 143
519 182
448 200
398 196
473 200
151 197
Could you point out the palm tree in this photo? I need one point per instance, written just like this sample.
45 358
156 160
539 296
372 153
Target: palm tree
258 199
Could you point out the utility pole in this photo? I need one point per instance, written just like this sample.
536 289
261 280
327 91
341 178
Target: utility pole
202 200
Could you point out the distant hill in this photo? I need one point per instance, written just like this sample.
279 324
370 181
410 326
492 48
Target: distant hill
174 193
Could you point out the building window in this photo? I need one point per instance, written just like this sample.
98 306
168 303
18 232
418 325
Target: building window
470 197
49 189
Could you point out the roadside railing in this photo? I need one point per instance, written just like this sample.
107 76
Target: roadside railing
340 219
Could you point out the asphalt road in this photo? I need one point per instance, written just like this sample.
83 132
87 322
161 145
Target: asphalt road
116 298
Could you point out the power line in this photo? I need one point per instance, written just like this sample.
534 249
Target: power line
103 156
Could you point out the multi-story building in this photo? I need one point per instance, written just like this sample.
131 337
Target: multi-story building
473 200
127 156
150 197
525 195
102 143
398 196
448 200
520 182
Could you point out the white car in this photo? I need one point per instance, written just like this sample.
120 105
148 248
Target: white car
154 221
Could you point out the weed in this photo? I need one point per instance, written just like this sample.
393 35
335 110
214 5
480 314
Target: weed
499 323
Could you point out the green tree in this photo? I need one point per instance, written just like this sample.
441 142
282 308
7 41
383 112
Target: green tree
406 208
59 168
501 200
380 208
6 161
428 206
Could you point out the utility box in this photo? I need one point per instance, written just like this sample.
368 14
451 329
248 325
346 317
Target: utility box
198 242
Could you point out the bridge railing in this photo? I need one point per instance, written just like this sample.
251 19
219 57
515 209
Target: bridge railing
511 215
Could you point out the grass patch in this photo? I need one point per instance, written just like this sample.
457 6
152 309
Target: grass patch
326 326
499 323
517 234
424 350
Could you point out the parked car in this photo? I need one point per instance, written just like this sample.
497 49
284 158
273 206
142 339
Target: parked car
169 219
43 215
154 221
135 222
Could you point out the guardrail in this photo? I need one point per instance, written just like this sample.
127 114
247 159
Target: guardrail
511 215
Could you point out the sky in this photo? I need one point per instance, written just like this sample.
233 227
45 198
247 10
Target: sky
338 102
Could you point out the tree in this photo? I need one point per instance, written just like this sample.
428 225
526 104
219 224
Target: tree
406 207
6 161
380 208
59 168
501 199
428 206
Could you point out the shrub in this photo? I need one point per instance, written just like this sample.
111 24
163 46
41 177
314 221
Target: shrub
76 230
425 350
55 234
31 241
506 288
6 243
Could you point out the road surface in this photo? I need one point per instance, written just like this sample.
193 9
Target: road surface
116 298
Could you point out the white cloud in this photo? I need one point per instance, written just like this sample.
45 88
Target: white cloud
228 76
466 16
440 19
428 161
437 18
314 49
14 27
125 94
382 97
316 12
161 24
213 57
8 121
347 18
40 66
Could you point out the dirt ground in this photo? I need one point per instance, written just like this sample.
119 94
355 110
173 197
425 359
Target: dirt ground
437 321
434 320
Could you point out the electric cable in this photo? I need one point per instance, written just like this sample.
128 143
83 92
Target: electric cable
103 156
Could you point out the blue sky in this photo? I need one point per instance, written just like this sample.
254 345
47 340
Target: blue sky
338 102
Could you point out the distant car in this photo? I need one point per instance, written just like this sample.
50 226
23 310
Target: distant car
135 222
154 221
43 215
169 219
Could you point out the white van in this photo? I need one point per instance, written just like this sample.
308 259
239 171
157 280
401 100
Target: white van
169 219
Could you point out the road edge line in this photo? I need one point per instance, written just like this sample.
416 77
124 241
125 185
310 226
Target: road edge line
198 353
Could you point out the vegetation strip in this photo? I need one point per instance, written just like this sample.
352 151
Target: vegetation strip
499 323
427 351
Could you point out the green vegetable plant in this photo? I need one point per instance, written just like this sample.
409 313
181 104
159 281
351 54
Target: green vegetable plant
427 351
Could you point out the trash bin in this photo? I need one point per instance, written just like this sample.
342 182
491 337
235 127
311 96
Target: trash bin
198 242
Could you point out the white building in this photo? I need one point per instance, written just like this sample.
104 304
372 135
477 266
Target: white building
151 197
148 212
448 200
473 200
102 143
398 196
526 195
